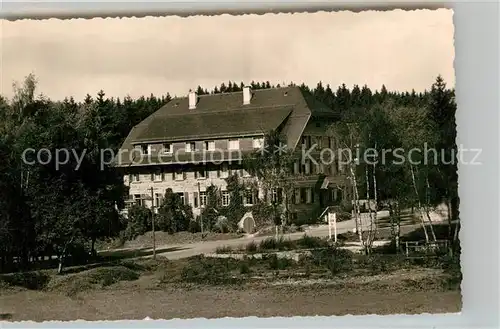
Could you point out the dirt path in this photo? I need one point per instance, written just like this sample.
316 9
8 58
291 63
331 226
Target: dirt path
192 249
214 302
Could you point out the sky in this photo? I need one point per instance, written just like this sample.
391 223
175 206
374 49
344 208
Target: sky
404 50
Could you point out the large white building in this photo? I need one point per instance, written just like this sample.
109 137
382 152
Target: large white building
195 141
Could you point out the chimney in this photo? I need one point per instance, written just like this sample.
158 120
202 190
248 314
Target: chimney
192 100
247 95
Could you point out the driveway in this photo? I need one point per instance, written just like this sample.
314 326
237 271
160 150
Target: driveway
177 251
207 247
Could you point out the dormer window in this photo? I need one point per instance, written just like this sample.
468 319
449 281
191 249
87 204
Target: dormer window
234 144
306 141
209 146
191 147
146 149
167 148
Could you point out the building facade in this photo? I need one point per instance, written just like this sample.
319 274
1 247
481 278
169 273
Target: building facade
196 141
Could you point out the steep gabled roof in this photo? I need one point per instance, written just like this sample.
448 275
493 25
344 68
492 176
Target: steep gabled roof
213 124
224 116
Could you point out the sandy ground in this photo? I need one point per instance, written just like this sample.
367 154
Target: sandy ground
213 302
147 297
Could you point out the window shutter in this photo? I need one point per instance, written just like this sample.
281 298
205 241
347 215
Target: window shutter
218 173
195 199
186 198
219 198
130 178
173 175
195 174
183 175
242 197
152 177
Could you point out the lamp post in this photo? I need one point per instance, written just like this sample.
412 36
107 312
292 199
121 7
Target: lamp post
201 212
153 222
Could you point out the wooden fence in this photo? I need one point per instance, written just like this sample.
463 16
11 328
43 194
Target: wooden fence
423 248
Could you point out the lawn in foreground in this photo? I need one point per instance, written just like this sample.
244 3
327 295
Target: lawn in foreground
330 281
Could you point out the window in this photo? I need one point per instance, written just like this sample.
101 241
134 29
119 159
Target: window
138 199
334 194
276 195
310 195
158 199
306 141
296 194
195 199
258 142
178 174
307 167
302 167
200 173
234 144
203 199
314 168
191 147
158 176
133 178
167 148
248 197
225 198
209 146
146 149
318 141
303 195
225 171
181 197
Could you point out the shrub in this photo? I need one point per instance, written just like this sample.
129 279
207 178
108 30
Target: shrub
138 223
276 244
194 226
28 280
381 263
223 250
221 225
262 213
309 242
276 263
251 247
343 216
214 271
106 276
334 259
245 268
